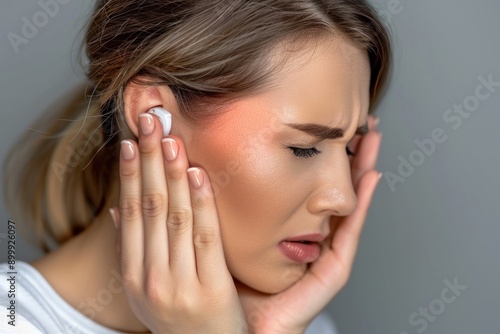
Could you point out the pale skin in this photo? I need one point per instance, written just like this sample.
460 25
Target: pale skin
326 193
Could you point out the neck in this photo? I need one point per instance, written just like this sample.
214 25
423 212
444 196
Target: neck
85 272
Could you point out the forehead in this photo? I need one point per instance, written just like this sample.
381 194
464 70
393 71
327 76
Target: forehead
325 82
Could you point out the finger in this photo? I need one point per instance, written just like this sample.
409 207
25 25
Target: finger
348 232
372 122
131 229
356 142
366 155
154 198
180 215
206 233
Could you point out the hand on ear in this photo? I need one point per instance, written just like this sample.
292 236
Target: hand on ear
141 98
165 119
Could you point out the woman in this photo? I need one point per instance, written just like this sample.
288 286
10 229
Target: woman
247 216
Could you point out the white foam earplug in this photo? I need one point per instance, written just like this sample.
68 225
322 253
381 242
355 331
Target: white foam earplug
165 118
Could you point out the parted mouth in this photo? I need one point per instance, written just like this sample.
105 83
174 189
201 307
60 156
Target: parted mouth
303 249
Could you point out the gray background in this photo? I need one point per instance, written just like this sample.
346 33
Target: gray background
439 226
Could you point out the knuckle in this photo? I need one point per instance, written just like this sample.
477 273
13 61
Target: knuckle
130 281
179 218
128 172
205 239
184 302
147 147
175 174
153 204
129 208
202 202
153 288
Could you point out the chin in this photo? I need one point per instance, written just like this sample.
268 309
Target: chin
275 281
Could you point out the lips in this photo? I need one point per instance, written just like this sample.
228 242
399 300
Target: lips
303 248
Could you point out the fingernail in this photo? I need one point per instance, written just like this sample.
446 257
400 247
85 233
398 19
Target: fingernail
127 150
165 118
195 177
147 123
113 217
170 148
379 176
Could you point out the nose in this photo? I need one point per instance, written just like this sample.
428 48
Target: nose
334 194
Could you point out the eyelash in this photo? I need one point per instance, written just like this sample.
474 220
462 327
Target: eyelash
309 152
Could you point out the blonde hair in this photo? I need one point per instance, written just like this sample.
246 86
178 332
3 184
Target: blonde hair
208 52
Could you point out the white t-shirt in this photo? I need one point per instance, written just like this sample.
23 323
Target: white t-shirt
40 309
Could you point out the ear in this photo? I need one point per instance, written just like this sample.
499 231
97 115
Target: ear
139 99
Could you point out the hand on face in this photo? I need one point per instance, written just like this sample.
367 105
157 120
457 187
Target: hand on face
293 309
168 240
289 311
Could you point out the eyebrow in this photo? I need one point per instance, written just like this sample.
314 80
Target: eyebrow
324 132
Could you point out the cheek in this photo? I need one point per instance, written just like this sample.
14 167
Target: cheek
247 180
257 194
254 210
251 197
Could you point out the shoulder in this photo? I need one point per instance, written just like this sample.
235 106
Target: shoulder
35 307
22 295
11 286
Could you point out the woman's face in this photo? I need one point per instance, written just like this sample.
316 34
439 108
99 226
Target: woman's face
263 192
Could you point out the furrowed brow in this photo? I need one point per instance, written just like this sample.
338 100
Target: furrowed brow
323 132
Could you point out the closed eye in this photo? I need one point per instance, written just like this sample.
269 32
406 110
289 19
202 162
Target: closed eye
310 152
304 152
